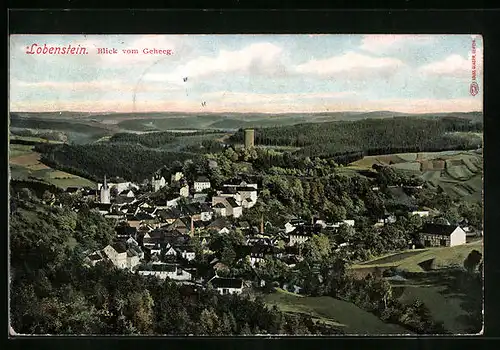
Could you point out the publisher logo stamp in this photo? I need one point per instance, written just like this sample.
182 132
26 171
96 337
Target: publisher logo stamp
474 87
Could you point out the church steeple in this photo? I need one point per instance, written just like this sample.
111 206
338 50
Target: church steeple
105 192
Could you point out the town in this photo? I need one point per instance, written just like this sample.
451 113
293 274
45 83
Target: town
164 235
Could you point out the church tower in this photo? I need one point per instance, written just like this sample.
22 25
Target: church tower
105 192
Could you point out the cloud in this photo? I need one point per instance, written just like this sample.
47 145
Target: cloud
380 43
249 98
349 62
258 106
91 86
454 66
258 58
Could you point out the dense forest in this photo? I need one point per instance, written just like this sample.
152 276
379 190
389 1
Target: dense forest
52 292
93 161
154 139
369 136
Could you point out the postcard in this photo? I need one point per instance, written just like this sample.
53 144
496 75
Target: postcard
231 185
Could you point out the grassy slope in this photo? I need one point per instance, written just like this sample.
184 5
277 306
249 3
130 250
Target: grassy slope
463 179
25 163
336 312
443 257
441 290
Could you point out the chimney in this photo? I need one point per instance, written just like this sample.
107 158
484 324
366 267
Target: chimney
262 225
192 226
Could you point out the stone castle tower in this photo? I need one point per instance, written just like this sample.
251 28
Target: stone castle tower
249 138
105 192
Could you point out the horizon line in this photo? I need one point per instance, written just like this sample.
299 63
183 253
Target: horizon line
236 112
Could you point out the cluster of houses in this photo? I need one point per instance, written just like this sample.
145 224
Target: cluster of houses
155 237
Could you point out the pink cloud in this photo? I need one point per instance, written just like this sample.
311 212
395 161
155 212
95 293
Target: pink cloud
223 106
348 62
455 65
383 42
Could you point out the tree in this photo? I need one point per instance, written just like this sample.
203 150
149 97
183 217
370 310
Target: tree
472 261
318 247
209 322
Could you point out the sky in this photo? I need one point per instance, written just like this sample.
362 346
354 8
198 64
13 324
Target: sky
248 73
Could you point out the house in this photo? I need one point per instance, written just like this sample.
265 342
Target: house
176 177
158 182
235 209
298 238
200 197
95 257
421 213
257 253
201 183
163 271
438 235
248 196
170 251
343 222
219 224
168 215
184 191
125 231
172 201
289 227
117 253
182 225
220 209
207 212
386 219
227 285
187 253
238 183
127 194
120 185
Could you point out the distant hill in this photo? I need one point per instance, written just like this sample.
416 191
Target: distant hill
160 121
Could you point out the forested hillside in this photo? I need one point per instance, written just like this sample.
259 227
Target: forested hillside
52 292
370 136
93 161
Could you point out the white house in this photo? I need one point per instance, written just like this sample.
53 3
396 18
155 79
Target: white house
289 227
421 213
248 196
170 251
120 256
187 254
296 238
127 193
241 184
184 191
437 235
173 202
158 182
162 270
235 209
207 213
120 186
227 285
201 183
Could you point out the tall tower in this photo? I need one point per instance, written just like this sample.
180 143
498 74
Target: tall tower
249 138
105 192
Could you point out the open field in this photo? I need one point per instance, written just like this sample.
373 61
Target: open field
339 313
459 173
444 288
445 257
25 165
